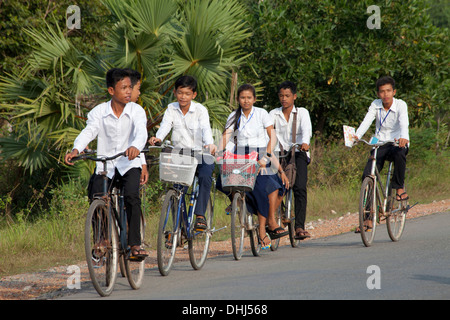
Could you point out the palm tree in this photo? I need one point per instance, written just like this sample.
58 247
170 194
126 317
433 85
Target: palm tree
163 39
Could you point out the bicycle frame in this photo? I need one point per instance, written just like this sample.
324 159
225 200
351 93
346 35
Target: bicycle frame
375 174
184 215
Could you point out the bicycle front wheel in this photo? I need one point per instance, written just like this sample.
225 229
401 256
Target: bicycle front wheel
167 233
253 232
101 247
135 269
396 217
237 226
367 211
198 242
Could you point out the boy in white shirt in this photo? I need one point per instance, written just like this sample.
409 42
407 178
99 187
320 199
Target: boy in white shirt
391 116
191 131
283 118
119 125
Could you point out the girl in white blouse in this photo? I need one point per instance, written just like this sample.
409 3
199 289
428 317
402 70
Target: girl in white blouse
252 129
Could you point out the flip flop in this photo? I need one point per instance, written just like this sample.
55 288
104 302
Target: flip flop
301 234
136 253
399 197
261 242
275 234
200 224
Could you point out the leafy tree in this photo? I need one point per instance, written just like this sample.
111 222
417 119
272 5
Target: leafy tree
46 100
328 50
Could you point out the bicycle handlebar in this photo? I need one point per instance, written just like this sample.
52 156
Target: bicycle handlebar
378 144
167 144
87 156
295 145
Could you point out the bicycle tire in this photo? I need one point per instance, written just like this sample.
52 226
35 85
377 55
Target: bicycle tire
167 233
253 232
289 214
237 225
396 217
368 211
101 247
276 242
134 269
198 242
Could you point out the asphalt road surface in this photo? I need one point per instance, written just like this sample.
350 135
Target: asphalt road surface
337 267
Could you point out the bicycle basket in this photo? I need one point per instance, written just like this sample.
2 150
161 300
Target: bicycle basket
176 168
238 173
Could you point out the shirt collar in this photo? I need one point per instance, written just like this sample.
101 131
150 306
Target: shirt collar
250 114
393 107
110 112
192 107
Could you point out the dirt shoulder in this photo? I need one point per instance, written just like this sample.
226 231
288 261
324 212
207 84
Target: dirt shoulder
51 283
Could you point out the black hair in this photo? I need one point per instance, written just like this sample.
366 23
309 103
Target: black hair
186 82
238 113
114 75
385 80
288 85
135 76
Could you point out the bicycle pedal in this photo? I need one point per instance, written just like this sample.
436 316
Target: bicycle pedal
286 220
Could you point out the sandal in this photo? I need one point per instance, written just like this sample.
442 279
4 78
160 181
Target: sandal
301 234
366 228
277 233
136 253
261 242
399 197
200 224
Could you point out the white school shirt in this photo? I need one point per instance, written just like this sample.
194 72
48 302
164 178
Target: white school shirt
389 125
192 130
252 129
283 128
115 135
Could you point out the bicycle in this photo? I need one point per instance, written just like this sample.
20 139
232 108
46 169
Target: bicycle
377 202
176 224
105 238
238 177
285 214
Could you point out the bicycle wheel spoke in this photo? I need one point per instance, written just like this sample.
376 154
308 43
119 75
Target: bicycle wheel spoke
199 241
167 233
135 269
101 248
396 218
367 212
237 226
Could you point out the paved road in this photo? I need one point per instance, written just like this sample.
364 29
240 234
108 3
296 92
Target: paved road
416 267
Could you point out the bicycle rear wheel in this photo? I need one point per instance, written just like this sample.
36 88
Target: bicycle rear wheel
135 269
396 217
237 225
198 242
367 211
276 242
101 247
289 216
167 233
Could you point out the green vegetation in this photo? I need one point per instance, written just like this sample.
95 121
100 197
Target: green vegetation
50 78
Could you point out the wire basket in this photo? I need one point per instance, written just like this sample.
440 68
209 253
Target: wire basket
177 168
238 174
